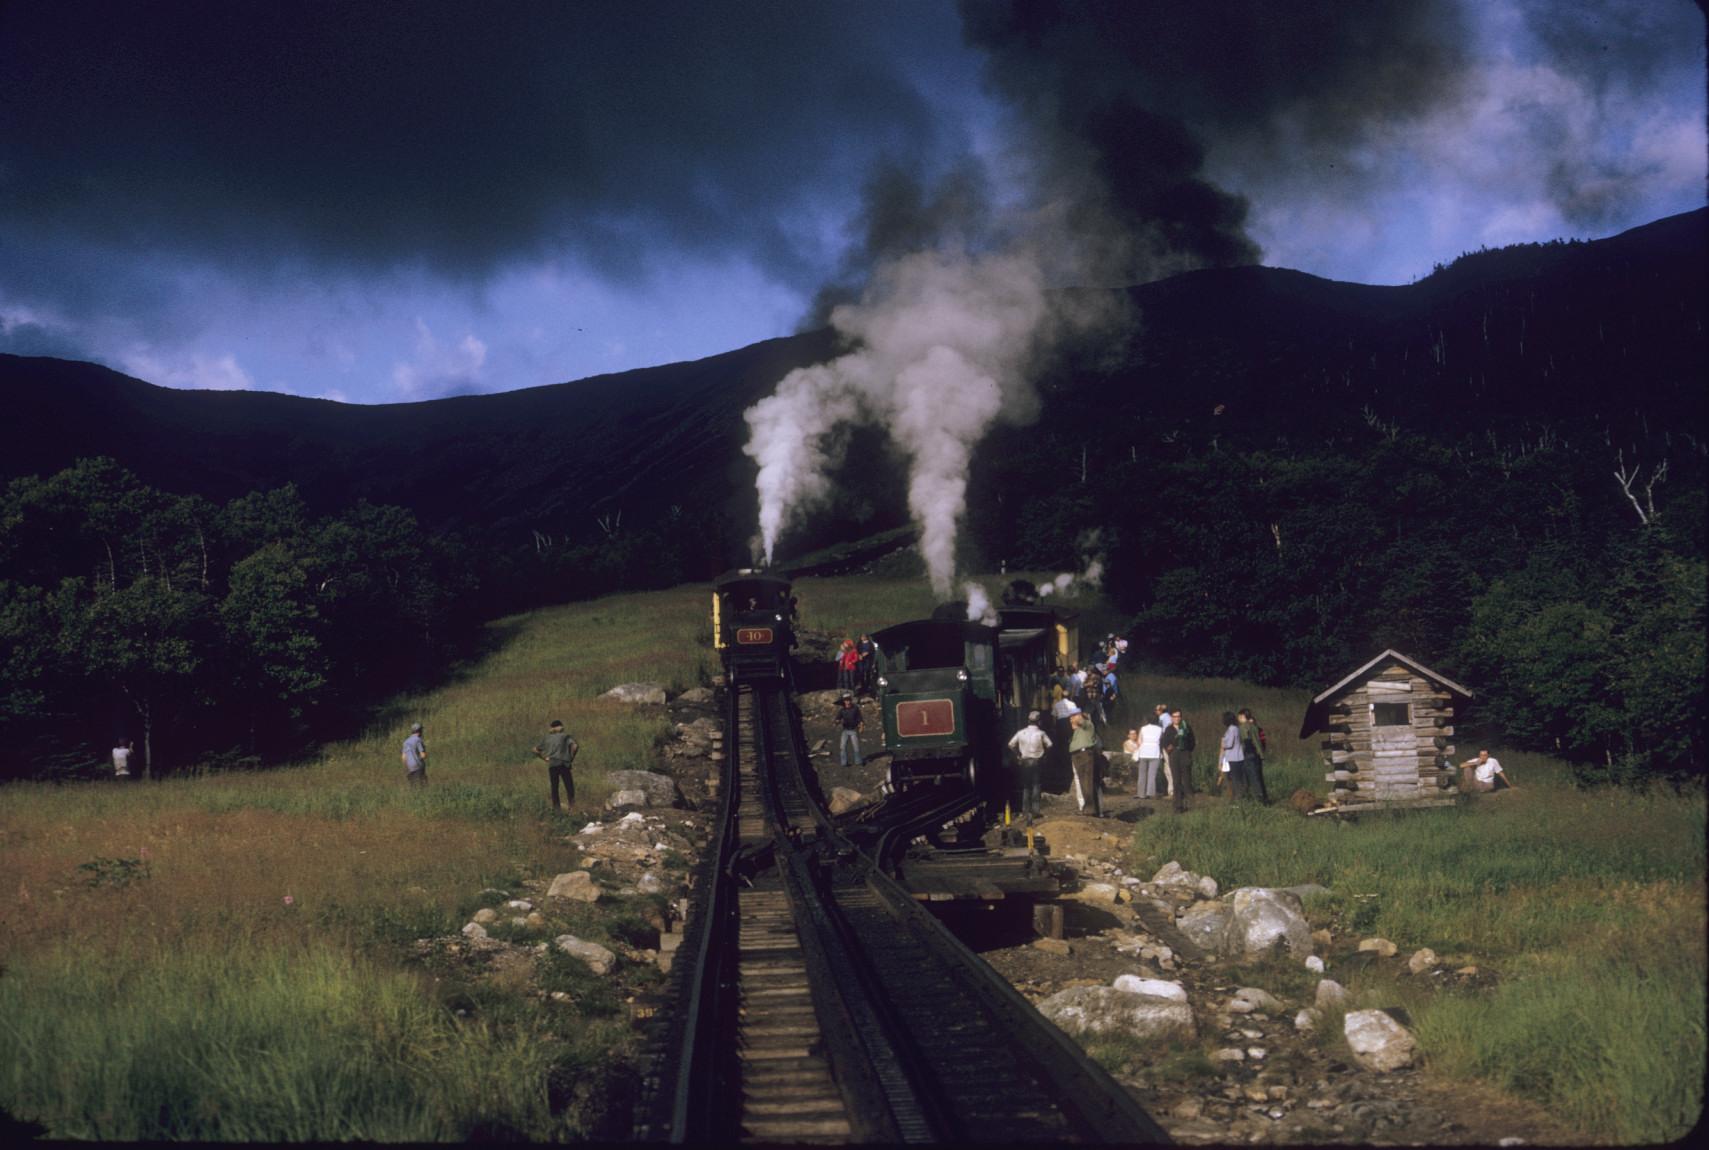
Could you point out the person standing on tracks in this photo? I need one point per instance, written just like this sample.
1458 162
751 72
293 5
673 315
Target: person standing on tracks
1083 755
851 721
415 757
558 751
1030 744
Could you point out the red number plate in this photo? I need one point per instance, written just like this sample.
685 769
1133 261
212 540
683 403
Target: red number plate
754 636
925 717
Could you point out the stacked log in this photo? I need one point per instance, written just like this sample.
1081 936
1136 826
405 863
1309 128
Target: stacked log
1367 763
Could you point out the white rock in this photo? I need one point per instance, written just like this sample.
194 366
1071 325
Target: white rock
576 885
1106 1010
659 790
628 797
1379 946
486 916
475 930
598 958
1262 999
1098 892
560 996
1240 1006
1256 1052
844 799
1331 994
1314 964
1155 987
636 693
519 922
1422 960
649 883
1229 1054
1307 1019
1379 1042
1206 924
632 819
1261 919
1207 887
520 904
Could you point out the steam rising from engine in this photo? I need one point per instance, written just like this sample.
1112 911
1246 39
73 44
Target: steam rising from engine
943 340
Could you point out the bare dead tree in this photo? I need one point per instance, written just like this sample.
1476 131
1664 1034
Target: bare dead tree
1628 477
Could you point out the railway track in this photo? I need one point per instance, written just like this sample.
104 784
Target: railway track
822 1003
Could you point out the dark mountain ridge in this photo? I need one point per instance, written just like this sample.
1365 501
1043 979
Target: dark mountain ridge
1605 334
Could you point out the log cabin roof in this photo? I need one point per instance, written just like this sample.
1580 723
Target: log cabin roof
1314 714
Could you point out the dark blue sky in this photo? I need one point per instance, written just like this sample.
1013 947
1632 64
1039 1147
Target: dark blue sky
383 201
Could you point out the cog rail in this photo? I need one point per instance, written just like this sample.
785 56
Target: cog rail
819 1002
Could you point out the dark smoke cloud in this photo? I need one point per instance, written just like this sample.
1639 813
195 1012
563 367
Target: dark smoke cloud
903 211
448 136
1123 96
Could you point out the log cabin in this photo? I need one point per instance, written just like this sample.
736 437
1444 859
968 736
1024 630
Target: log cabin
1389 733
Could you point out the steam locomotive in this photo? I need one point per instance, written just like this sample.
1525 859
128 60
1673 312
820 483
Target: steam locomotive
753 625
952 692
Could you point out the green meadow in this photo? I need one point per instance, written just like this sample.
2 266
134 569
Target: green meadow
232 956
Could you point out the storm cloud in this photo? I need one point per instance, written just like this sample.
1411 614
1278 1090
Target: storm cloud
452 136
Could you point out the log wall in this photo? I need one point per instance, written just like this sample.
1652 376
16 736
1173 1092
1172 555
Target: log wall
1372 764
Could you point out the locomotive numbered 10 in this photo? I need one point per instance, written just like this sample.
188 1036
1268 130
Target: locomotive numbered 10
752 625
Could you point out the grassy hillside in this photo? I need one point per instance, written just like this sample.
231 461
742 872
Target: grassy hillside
234 957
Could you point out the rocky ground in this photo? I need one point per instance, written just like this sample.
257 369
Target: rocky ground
1159 975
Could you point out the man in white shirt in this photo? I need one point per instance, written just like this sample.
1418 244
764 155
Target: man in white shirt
1029 744
1486 774
122 759
1150 755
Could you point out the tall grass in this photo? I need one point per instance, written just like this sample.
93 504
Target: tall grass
251 1043
238 964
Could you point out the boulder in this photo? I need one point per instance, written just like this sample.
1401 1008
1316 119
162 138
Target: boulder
649 883
659 790
1173 875
845 799
1107 1010
1262 999
1206 924
1379 1042
1097 892
1381 947
1151 987
1422 959
475 930
598 958
577 886
536 920
1261 919
636 693
627 797
1307 1019
486 916
1331 994
696 695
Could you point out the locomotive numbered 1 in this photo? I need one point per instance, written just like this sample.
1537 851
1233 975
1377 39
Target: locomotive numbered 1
923 718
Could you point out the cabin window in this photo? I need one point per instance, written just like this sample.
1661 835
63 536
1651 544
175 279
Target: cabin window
1390 715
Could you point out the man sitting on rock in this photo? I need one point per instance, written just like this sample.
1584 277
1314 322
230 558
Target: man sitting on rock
1484 774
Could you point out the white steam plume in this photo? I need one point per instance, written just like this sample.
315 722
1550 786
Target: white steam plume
979 608
942 344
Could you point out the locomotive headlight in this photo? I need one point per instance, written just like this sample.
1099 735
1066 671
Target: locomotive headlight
961 676
779 618
883 682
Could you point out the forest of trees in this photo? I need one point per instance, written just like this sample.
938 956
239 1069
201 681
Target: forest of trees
1573 608
206 633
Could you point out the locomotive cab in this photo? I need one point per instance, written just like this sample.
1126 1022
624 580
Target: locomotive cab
752 628
937 689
